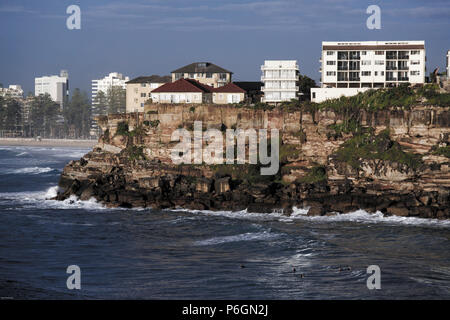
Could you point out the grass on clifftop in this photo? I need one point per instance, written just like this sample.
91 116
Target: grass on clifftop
369 146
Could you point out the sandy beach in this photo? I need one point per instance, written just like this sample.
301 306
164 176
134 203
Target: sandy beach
47 142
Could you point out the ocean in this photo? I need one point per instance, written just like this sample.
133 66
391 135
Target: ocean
185 254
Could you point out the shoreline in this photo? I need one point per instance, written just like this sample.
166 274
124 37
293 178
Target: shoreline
31 142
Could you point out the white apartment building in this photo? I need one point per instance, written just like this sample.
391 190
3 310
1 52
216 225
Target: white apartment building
111 80
280 79
139 91
13 91
369 64
448 64
56 86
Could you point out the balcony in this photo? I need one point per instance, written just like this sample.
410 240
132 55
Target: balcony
391 68
355 79
391 57
403 78
403 68
391 79
342 68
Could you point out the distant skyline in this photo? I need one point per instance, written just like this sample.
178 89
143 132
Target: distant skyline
138 38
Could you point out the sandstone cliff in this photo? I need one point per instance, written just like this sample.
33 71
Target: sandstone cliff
386 160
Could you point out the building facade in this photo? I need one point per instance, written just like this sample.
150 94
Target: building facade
229 93
13 91
372 64
139 91
205 72
183 91
448 64
280 79
114 79
347 67
56 86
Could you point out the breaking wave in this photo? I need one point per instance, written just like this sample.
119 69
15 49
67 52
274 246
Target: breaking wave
31 170
265 235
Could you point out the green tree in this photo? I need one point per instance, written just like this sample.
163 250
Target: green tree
77 114
100 104
116 99
305 85
44 114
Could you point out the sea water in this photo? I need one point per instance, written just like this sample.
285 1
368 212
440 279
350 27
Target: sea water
188 254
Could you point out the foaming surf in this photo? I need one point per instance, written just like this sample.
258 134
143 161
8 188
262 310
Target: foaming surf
249 236
31 170
300 214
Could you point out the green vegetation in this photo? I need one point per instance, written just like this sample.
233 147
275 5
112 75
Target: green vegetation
122 128
287 150
192 109
134 153
368 146
315 175
442 151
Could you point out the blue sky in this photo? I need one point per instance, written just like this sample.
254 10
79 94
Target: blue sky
138 37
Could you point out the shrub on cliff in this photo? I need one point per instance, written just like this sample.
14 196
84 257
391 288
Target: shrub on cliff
370 146
122 128
315 175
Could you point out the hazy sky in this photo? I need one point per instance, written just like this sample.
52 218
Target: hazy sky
137 37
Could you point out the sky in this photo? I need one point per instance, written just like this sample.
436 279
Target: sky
137 37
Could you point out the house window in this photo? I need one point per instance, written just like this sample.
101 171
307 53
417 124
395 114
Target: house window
363 53
314 95
142 84
142 105
143 95
191 75
415 52
376 73
209 75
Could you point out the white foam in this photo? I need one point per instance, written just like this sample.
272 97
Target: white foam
239 237
300 214
30 170
42 200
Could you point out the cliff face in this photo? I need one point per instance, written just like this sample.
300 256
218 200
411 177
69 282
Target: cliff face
385 160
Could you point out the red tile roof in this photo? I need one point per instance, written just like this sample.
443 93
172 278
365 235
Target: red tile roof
229 88
184 85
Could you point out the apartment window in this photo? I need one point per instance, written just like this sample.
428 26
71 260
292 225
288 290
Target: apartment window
143 94
191 75
142 105
375 73
142 84
415 62
415 73
331 63
178 76
382 73
365 73
415 52
379 53
365 62
379 62
331 73
209 75
330 53
314 95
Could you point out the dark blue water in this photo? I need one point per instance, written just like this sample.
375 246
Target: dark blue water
198 255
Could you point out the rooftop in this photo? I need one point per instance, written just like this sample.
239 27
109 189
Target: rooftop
151 79
201 67
184 85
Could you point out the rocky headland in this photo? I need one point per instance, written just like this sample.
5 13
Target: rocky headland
394 160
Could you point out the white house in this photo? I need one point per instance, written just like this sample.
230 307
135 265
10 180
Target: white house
280 79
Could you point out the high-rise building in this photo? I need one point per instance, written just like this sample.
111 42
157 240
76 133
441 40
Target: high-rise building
280 79
448 64
350 67
13 91
56 86
114 79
